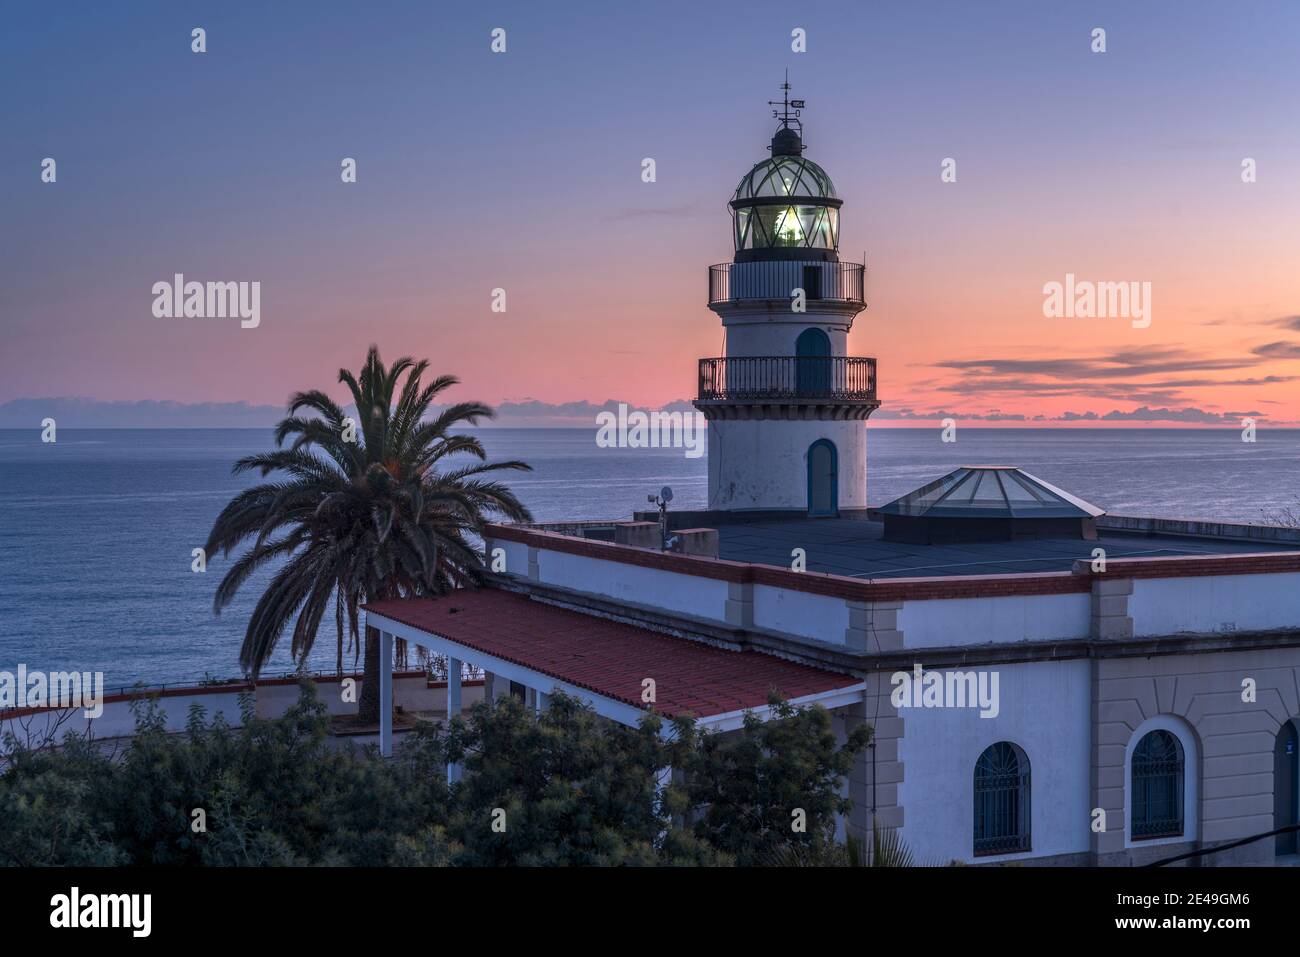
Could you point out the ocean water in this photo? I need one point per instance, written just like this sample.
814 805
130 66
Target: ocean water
96 530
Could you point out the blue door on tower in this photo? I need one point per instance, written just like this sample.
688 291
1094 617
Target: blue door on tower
812 352
823 479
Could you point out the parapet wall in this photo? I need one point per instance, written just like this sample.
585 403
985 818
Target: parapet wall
413 691
1196 595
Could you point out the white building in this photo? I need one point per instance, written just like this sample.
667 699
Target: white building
1135 682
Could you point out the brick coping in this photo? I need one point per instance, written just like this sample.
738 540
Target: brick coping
903 589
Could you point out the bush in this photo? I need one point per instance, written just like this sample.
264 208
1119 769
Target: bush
561 788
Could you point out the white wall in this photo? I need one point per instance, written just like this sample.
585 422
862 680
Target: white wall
777 335
801 613
411 692
1166 606
687 594
977 621
516 555
763 463
1045 709
118 720
925 624
1158 606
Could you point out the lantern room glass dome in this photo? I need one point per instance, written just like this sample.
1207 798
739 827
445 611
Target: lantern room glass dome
785 176
786 202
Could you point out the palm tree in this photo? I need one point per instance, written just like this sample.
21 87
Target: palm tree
361 510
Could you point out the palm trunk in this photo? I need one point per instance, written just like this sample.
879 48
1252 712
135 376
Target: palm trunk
368 706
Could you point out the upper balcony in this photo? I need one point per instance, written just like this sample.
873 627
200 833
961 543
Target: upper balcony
835 282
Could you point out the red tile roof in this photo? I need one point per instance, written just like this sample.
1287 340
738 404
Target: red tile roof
607 657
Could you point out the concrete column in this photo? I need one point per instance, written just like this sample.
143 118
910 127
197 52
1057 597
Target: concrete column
385 693
873 626
454 667
453 707
879 769
1110 611
855 788
740 604
638 534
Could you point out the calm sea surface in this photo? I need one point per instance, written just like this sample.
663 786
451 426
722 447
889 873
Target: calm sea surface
96 529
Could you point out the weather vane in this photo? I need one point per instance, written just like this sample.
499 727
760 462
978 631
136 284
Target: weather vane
789 111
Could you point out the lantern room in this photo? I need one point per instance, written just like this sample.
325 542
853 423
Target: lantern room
785 207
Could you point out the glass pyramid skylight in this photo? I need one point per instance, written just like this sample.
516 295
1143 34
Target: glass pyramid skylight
990 491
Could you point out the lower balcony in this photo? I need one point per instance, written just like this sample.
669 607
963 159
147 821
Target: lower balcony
840 387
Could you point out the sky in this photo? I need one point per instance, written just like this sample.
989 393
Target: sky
522 170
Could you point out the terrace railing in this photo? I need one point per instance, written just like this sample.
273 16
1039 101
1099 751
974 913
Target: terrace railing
750 378
820 281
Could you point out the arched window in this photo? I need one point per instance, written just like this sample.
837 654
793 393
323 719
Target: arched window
1002 800
1157 778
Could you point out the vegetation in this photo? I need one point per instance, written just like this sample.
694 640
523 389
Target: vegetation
753 789
561 788
360 510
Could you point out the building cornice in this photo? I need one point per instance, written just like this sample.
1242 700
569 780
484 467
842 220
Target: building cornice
850 661
905 589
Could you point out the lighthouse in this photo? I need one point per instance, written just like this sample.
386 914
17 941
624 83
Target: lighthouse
787 405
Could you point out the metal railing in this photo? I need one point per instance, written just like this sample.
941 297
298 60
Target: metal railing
741 378
820 281
1157 798
1002 812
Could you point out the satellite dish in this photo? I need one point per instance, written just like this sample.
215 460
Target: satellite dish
666 494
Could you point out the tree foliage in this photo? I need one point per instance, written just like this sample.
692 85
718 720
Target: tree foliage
359 510
774 783
560 788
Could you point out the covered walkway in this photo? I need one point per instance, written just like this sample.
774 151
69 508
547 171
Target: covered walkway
619 669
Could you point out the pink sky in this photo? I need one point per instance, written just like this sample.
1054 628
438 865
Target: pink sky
1121 167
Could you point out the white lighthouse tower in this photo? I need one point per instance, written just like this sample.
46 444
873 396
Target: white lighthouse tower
787 405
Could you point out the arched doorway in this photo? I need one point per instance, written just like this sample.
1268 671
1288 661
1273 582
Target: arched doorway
812 363
1286 785
823 478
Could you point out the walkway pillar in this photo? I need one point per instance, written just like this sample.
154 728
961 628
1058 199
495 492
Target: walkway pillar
385 694
453 707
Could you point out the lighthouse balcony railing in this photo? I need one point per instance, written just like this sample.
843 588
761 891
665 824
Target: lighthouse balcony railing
766 378
820 281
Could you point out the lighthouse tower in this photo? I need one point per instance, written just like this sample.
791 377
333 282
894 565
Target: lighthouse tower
786 405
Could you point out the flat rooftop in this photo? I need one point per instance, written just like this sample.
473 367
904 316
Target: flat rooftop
856 548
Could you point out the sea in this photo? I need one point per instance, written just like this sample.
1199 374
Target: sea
97 528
